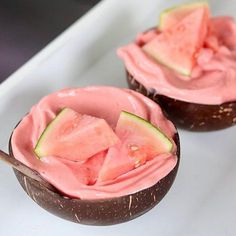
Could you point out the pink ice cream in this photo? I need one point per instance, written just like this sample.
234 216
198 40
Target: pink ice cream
70 177
213 79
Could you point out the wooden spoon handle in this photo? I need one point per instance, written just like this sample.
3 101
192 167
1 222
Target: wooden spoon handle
11 161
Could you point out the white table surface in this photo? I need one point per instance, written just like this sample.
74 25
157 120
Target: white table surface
202 201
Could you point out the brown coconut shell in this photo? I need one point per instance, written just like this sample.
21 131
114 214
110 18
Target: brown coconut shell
190 116
98 212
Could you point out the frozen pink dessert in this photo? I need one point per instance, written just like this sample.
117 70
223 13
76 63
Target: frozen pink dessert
213 80
78 179
188 66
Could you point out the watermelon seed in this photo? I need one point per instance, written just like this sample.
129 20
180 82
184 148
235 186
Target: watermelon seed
134 148
137 163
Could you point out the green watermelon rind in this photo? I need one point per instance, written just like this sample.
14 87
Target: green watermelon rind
176 68
164 14
38 149
155 130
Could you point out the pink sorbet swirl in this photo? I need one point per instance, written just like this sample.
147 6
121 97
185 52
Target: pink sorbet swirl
213 79
103 102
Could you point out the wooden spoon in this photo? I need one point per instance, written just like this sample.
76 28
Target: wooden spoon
11 161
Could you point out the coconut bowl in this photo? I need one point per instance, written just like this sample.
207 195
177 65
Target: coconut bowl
190 116
98 212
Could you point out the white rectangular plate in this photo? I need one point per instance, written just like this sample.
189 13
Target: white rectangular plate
202 200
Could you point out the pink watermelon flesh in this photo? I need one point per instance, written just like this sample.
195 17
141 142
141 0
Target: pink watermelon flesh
170 17
75 137
176 48
70 173
141 141
93 166
87 172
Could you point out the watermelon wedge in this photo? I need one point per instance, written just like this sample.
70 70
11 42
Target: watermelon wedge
176 48
93 166
172 16
86 172
141 141
75 137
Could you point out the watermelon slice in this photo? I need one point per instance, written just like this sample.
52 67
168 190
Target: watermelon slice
75 137
141 141
93 166
172 16
176 48
86 172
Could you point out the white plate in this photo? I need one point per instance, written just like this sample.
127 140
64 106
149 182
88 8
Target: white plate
202 200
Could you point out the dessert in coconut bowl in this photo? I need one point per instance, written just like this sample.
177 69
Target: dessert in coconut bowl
110 154
187 65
